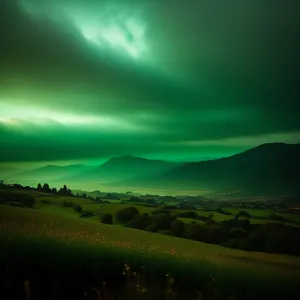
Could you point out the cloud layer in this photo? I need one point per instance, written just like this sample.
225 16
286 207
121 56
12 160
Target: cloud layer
89 79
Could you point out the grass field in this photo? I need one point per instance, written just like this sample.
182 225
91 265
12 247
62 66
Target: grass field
116 205
234 272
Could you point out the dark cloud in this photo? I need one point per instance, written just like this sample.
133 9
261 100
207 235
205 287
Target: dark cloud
216 70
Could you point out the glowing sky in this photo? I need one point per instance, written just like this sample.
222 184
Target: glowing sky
87 80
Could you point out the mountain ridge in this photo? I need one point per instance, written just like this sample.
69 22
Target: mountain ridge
267 168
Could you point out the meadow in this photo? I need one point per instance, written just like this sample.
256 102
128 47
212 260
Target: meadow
49 252
258 215
34 242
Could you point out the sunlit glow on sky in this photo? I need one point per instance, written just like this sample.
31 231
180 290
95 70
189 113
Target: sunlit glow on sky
17 115
127 37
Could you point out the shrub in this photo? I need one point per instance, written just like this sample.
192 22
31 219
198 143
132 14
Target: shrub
244 244
140 221
186 205
212 234
194 231
107 219
177 228
237 233
188 214
126 215
162 221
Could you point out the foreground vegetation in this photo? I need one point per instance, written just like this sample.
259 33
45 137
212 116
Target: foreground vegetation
53 246
246 229
50 256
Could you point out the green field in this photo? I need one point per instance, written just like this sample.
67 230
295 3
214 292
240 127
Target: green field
253 271
116 205
54 238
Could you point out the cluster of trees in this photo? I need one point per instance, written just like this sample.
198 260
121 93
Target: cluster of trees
160 221
64 191
236 233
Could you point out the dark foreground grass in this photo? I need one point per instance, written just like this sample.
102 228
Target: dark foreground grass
38 265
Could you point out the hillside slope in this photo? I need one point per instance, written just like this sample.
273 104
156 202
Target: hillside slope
269 168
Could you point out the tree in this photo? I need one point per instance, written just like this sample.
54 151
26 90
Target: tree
177 228
140 221
107 219
65 191
39 187
54 190
46 188
126 215
162 221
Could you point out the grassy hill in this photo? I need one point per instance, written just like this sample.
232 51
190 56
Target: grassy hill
35 234
53 238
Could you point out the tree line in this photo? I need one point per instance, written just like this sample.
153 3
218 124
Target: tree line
239 233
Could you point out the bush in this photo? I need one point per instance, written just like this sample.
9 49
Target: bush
127 214
244 244
186 205
194 232
177 228
162 221
107 219
237 233
188 214
140 221
212 234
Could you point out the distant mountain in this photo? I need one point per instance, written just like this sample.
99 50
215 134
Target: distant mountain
267 169
52 172
125 168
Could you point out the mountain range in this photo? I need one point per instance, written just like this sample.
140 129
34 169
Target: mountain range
266 169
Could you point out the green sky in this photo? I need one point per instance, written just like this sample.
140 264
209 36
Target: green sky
87 80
